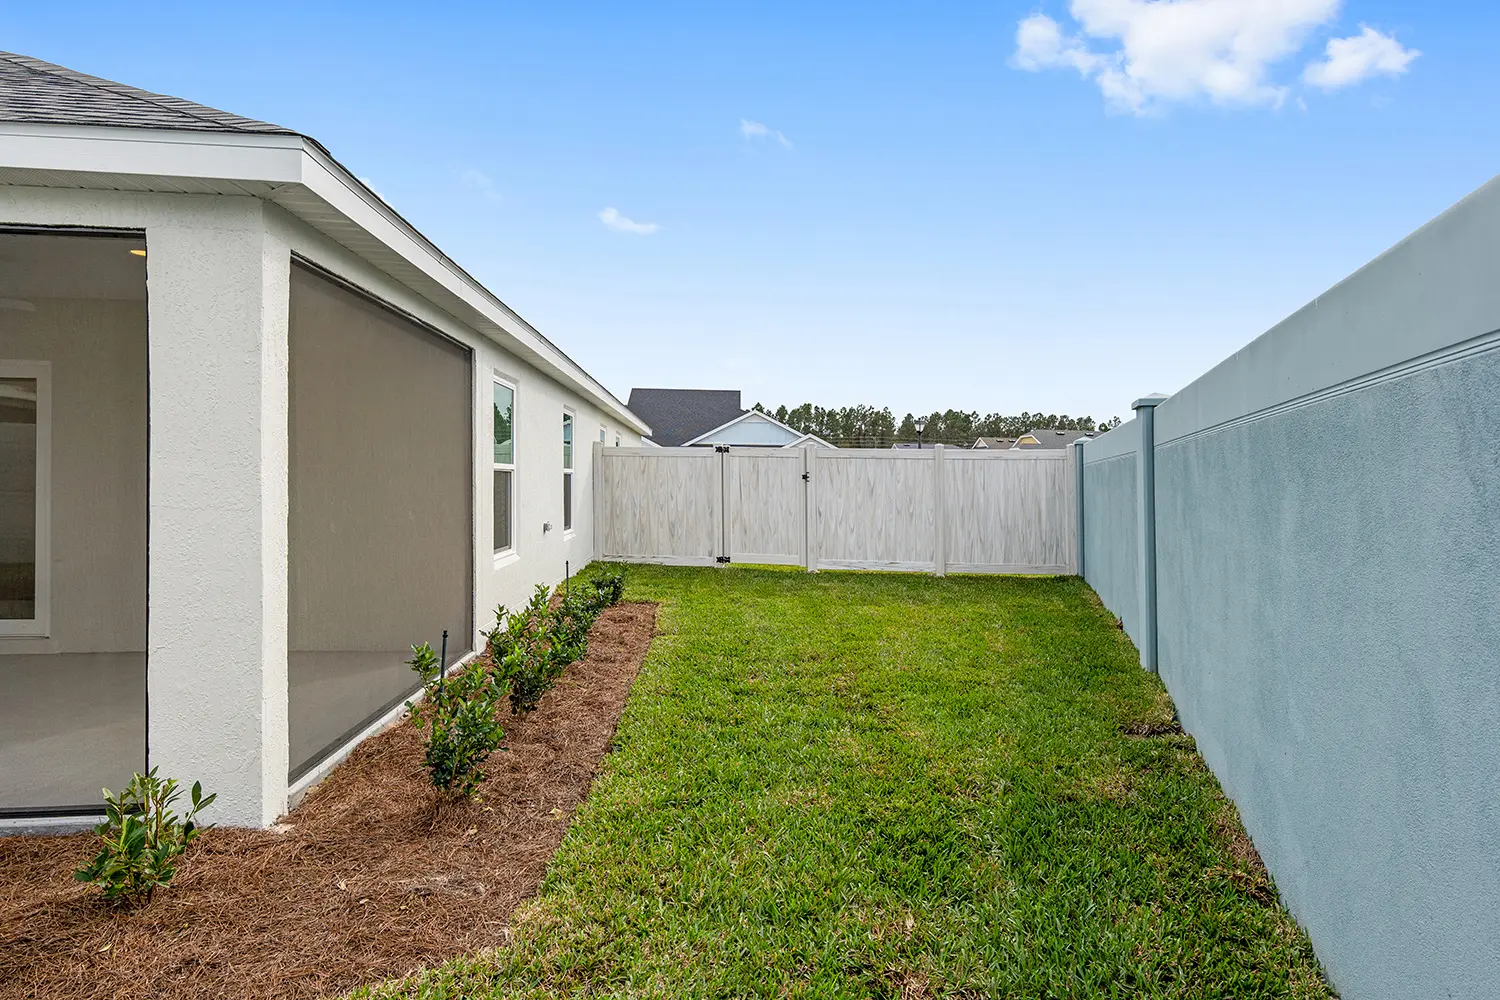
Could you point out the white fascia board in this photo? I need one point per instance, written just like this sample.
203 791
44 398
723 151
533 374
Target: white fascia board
288 162
269 159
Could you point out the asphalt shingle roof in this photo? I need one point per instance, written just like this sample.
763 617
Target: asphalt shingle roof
678 415
1053 439
32 90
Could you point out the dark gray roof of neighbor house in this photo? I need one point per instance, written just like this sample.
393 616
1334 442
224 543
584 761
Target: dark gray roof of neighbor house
989 442
678 415
1054 439
39 92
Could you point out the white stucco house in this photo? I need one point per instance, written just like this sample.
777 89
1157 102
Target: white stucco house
257 436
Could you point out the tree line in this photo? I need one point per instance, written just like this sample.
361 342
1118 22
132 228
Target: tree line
867 427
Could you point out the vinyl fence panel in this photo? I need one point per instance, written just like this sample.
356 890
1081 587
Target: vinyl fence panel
662 505
929 511
875 510
1009 512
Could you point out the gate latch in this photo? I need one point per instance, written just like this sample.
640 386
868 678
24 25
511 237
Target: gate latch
807 477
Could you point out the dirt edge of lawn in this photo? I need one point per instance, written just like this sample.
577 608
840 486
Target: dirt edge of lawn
364 881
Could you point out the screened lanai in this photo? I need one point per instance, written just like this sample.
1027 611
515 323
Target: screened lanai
73 458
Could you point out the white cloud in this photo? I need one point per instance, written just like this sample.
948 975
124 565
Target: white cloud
1145 54
480 182
758 130
620 224
1359 57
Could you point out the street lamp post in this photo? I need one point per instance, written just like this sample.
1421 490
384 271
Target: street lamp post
921 426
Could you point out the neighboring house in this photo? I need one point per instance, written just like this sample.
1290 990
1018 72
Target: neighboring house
353 446
997 443
1044 438
707 417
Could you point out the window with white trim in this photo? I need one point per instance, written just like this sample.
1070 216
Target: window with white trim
567 471
504 465
25 501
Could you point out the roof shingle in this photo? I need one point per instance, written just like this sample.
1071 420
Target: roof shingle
35 91
678 415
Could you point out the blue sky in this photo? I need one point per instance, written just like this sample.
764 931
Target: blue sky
951 220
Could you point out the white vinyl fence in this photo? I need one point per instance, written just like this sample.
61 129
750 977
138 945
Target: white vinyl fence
939 511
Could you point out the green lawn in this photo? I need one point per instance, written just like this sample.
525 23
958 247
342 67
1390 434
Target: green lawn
862 785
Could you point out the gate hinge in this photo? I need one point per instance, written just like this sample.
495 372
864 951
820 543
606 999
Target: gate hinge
807 477
721 559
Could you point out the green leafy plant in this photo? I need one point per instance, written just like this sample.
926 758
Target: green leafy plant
608 589
459 714
143 838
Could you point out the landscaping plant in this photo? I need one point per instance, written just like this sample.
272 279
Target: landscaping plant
531 647
143 838
460 715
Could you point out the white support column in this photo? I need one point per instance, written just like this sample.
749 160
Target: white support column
217 568
940 515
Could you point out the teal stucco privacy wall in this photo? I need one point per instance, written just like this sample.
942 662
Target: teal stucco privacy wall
1109 523
1328 594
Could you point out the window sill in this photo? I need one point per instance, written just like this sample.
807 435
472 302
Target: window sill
506 558
569 533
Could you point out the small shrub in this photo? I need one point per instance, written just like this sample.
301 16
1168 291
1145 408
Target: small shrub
143 838
531 647
460 715
608 590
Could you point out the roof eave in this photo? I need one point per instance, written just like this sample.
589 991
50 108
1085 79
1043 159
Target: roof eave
295 169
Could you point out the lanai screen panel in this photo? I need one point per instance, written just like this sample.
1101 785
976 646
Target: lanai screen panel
73 454
381 519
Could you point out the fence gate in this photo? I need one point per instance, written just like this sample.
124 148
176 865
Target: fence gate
765 505
930 511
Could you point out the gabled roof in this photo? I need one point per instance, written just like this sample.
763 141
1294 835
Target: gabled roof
748 415
993 442
32 90
677 416
63 129
810 440
1047 438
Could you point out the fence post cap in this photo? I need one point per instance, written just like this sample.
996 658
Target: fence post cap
1154 399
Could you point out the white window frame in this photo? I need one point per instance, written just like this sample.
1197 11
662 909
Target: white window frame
570 461
515 407
40 626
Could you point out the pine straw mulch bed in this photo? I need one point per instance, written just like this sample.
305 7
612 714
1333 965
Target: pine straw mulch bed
364 881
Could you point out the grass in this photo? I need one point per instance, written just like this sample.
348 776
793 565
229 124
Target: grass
862 785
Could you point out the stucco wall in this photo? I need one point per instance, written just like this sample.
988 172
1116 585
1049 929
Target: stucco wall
1111 561
218 277
1328 532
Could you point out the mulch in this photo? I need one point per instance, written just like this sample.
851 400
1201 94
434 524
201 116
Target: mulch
366 880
